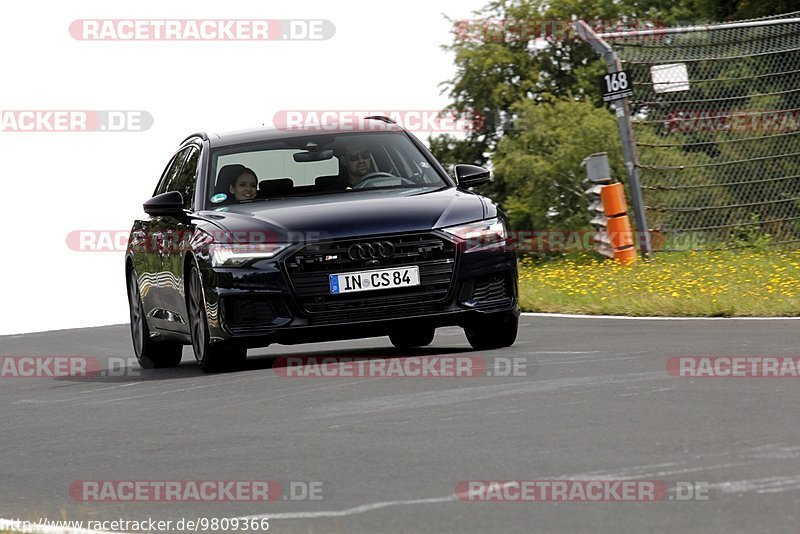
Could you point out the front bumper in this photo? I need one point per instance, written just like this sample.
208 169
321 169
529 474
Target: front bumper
287 300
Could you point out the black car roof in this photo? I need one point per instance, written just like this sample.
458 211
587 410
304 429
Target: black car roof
270 134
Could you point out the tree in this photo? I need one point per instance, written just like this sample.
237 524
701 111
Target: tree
516 51
541 165
517 56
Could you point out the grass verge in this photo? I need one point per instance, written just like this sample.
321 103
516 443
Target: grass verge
733 283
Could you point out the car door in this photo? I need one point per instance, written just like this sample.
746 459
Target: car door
178 232
147 242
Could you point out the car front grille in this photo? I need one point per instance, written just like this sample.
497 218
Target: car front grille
309 268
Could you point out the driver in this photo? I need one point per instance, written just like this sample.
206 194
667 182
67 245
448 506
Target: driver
358 161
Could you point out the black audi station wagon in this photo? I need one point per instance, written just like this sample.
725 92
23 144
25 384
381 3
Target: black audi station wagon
296 236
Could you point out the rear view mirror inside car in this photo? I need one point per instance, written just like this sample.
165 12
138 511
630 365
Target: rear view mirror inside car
306 157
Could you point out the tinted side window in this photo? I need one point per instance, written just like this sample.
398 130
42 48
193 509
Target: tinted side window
186 180
171 172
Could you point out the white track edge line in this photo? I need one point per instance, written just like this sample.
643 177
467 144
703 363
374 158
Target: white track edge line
634 318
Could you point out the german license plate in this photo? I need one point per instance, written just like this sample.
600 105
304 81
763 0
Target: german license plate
376 279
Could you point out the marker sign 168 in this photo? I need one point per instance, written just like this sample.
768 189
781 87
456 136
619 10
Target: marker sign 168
616 85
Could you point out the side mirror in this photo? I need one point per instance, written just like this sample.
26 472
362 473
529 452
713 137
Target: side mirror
169 203
471 175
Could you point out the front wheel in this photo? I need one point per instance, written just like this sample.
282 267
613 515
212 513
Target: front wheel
492 331
211 357
149 354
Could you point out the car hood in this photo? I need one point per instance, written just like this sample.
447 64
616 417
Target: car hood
350 214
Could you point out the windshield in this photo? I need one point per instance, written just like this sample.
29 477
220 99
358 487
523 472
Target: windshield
318 165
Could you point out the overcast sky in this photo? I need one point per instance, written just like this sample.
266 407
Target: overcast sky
383 56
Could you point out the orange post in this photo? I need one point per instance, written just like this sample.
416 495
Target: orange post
620 234
609 210
625 255
613 197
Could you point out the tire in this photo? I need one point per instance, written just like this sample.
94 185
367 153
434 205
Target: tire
150 354
212 357
412 337
492 332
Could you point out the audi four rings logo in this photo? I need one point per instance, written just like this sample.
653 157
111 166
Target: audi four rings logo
371 251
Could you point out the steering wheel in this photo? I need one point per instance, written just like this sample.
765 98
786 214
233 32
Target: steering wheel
367 177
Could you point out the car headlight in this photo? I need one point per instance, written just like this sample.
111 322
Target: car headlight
238 255
480 235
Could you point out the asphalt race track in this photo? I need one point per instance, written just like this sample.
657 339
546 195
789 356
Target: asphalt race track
595 402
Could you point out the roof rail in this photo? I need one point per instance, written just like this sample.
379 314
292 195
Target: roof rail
382 118
201 135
